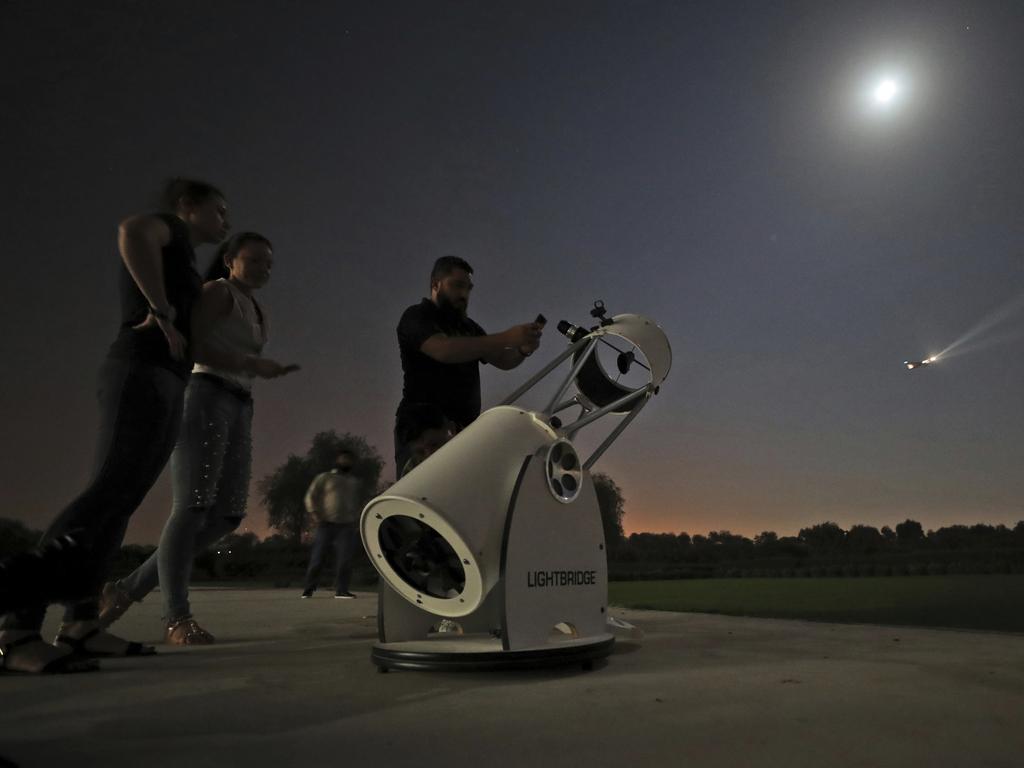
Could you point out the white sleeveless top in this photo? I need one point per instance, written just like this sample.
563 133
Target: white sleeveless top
241 331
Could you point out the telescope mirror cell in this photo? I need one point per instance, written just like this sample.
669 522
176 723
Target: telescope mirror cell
422 557
435 536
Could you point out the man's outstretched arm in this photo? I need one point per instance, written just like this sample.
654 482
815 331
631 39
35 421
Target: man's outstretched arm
503 350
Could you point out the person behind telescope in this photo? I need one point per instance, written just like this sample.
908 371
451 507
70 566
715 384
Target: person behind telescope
141 384
334 501
211 463
442 347
423 428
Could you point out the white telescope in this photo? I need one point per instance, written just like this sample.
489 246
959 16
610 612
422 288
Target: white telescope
498 535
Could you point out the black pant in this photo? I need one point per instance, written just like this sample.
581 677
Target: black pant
403 453
344 537
140 414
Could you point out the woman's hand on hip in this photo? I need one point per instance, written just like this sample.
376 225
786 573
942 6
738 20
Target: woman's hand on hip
176 343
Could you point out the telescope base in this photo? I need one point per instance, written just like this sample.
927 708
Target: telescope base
484 653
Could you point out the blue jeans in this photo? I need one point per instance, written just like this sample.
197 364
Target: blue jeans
210 470
343 537
140 409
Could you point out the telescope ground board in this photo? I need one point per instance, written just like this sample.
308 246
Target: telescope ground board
474 653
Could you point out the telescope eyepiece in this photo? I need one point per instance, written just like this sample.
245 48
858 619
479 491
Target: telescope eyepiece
572 332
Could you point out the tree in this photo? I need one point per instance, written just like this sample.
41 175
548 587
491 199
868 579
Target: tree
823 537
864 539
730 545
909 534
612 506
238 542
282 494
792 546
283 491
658 547
951 537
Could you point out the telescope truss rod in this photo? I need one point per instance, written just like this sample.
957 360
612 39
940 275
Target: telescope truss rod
615 433
573 374
545 371
576 426
574 400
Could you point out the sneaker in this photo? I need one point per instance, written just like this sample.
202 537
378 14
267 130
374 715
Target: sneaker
344 596
307 593
447 626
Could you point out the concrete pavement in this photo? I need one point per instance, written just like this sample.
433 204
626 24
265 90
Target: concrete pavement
289 683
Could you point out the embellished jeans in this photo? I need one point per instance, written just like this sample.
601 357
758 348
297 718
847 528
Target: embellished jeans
210 470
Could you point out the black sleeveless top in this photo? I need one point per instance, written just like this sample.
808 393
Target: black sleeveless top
181 284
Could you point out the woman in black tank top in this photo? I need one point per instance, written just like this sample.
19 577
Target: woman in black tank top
140 397
212 460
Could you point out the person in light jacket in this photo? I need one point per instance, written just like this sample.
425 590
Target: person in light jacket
334 502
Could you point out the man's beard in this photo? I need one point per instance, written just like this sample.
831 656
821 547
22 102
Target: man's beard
445 304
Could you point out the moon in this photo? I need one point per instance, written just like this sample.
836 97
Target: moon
885 91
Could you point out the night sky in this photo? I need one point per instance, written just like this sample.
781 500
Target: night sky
717 167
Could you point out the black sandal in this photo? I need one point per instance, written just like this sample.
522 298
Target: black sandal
68 664
80 647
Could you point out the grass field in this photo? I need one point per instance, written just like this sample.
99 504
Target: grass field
993 602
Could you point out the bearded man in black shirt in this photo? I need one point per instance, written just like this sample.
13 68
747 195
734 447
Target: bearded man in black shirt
442 348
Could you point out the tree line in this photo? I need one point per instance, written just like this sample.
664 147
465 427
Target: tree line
824 549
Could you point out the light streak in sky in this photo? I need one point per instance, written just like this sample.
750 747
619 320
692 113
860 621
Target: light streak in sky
978 336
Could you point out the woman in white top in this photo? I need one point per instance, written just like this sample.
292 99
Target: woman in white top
212 460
